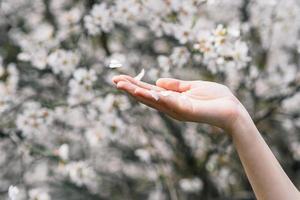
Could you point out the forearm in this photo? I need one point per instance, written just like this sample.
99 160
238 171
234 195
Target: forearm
264 172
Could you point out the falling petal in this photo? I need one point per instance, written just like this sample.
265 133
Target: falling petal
183 96
165 93
140 75
154 94
115 64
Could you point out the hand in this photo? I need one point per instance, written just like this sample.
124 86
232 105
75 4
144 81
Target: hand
195 101
212 103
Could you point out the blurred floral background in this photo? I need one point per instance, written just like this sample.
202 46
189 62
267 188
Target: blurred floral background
67 133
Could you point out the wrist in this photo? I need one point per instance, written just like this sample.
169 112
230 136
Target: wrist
242 123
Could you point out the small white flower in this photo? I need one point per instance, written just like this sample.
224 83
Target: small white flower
99 19
140 75
13 192
191 185
96 134
234 31
4 103
34 120
63 152
39 59
70 17
183 31
38 194
125 12
80 173
43 32
81 86
220 30
85 77
143 154
180 56
24 56
164 62
62 61
240 53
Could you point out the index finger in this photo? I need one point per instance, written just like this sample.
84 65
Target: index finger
141 84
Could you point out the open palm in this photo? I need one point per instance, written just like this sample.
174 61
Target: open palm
195 101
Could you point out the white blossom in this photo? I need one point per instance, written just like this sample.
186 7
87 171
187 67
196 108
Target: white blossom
62 61
99 19
34 120
126 11
184 31
143 154
39 194
140 75
38 58
13 192
63 152
80 173
191 185
180 56
70 17
81 86
97 134
43 32
222 48
164 62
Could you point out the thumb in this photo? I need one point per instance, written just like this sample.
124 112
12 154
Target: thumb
173 84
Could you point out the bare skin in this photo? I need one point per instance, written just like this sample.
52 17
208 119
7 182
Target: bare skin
214 104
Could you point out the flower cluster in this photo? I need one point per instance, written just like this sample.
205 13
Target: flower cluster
62 61
99 19
81 86
9 79
34 120
79 173
222 49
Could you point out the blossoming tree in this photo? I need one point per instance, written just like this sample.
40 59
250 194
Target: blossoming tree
67 133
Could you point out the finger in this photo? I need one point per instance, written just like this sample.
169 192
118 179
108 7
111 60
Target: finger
137 82
173 84
118 78
151 104
158 107
145 97
131 89
134 90
173 102
127 86
163 104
